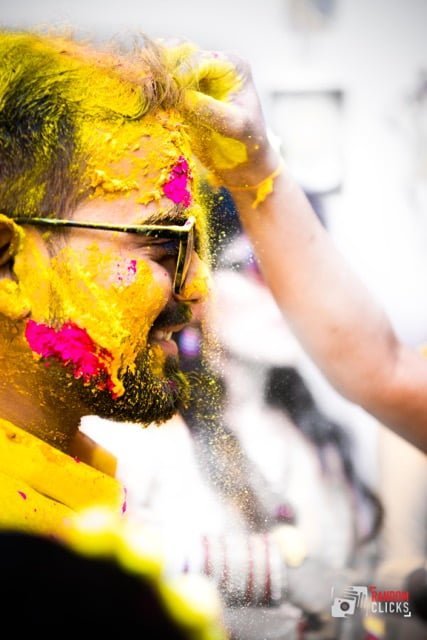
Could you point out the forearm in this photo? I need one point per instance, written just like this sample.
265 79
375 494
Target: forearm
339 324
403 403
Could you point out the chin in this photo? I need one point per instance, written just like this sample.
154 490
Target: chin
147 398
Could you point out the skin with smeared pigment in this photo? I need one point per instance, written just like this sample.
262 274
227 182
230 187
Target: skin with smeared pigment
86 316
71 346
83 310
152 148
177 187
112 105
67 290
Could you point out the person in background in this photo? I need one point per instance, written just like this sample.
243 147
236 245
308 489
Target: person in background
256 488
274 452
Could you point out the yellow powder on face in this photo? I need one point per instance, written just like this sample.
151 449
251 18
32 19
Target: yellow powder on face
157 360
13 304
33 271
151 142
126 154
73 288
198 287
135 159
124 150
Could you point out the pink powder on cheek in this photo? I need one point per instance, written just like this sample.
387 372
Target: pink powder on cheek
72 346
177 186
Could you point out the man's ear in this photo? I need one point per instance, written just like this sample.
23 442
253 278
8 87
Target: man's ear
13 304
10 239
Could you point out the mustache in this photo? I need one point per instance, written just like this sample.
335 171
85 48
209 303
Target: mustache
171 315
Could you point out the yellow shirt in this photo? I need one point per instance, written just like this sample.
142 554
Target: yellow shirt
40 486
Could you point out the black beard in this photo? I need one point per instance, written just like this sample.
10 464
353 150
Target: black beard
147 397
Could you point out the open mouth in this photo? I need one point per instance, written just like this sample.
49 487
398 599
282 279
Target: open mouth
160 335
164 338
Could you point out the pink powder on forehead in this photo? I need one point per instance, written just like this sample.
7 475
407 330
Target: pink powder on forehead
72 346
177 186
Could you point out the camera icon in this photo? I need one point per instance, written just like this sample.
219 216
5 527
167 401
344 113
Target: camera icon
353 598
343 607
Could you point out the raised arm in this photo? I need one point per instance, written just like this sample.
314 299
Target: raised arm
336 319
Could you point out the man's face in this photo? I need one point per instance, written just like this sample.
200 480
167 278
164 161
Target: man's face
103 309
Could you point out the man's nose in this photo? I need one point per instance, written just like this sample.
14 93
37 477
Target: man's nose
197 282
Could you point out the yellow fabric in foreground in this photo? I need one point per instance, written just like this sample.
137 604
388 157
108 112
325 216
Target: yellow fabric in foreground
46 492
41 486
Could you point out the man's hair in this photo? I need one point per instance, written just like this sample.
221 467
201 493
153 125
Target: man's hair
51 87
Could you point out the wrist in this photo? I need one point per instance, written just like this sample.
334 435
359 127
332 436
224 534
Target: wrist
259 191
253 172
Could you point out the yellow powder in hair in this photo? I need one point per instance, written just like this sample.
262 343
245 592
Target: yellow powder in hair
100 79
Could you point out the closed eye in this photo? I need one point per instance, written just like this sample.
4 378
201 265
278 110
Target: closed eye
160 250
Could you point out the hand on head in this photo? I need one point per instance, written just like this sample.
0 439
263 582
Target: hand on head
221 103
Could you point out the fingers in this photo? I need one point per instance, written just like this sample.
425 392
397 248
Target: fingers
177 52
204 110
214 76
215 85
221 105
217 74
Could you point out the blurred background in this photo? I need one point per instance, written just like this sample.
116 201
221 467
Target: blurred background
343 85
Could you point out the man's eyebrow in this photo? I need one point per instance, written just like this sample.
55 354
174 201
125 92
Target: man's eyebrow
175 215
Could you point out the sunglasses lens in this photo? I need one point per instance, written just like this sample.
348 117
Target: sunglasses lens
184 260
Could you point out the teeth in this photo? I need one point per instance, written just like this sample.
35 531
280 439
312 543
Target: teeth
162 335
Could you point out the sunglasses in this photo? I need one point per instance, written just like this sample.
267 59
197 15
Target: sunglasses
183 233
